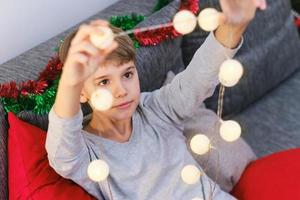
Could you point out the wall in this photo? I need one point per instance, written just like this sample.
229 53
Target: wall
25 24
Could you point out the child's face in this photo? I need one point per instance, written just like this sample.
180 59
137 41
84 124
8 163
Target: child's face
123 83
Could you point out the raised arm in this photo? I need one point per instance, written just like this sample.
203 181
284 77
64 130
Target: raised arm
178 100
68 152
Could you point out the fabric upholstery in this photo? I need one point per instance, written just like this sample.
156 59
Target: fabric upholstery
30 175
269 55
273 177
272 123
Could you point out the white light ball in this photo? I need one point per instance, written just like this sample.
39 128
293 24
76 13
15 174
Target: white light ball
103 39
200 144
230 72
230 130
190 174
209 19
197 198
98 170
184 22
102 99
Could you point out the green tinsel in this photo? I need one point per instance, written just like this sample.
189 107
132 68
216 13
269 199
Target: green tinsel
160 4
127 22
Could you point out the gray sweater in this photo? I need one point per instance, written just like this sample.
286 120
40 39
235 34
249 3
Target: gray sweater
148 166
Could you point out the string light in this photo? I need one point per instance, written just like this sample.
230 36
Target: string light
190 174
209 19
103 38
102 99
230 72
200 144
230 130
98 170
184 22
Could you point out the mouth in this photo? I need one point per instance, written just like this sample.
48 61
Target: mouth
124 105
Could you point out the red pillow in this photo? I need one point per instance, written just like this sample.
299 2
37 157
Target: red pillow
29 173
275 177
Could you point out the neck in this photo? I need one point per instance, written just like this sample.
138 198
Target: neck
117 130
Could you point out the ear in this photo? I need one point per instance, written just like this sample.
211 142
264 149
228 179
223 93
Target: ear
83 97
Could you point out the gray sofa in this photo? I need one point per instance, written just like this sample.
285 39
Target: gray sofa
265 102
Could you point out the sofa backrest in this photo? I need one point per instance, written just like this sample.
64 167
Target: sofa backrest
270 55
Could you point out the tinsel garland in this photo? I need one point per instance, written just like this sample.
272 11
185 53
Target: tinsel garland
39 104
33 95
39 95
154 37
127 22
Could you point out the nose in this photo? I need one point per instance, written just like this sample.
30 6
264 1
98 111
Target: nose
120 90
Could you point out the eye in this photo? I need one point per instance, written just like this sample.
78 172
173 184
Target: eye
128 75
103 82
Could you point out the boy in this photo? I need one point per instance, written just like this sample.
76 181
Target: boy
140 137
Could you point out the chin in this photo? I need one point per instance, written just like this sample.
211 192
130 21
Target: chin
120 114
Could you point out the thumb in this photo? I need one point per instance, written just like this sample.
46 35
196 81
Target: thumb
222 19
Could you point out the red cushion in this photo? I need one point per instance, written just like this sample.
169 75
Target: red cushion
29 173
274 177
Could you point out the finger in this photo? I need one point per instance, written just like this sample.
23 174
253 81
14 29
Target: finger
222 18
108 50
261 4
99 22
79 58
98 59
84 47
83 32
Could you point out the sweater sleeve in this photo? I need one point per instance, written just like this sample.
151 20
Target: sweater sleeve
68 152
178 100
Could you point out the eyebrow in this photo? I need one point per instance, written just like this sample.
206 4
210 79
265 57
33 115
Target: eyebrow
105 76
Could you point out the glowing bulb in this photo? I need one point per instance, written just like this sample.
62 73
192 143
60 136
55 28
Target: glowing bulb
103 39
190 174
230 130
184 22
230 72
102 99
209 19
98 170
200 144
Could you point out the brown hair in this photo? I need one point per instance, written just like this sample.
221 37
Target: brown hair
125 52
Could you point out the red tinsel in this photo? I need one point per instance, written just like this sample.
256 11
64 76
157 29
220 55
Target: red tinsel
50 73
191 5
153 37
33 87
9 90
53 68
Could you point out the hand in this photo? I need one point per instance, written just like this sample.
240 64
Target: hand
240 12
235 18
83 57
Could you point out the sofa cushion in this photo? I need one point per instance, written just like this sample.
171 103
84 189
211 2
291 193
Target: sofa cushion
272 123
227 163
273 177
270 54
30 175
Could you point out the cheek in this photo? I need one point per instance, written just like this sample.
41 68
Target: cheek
136 85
